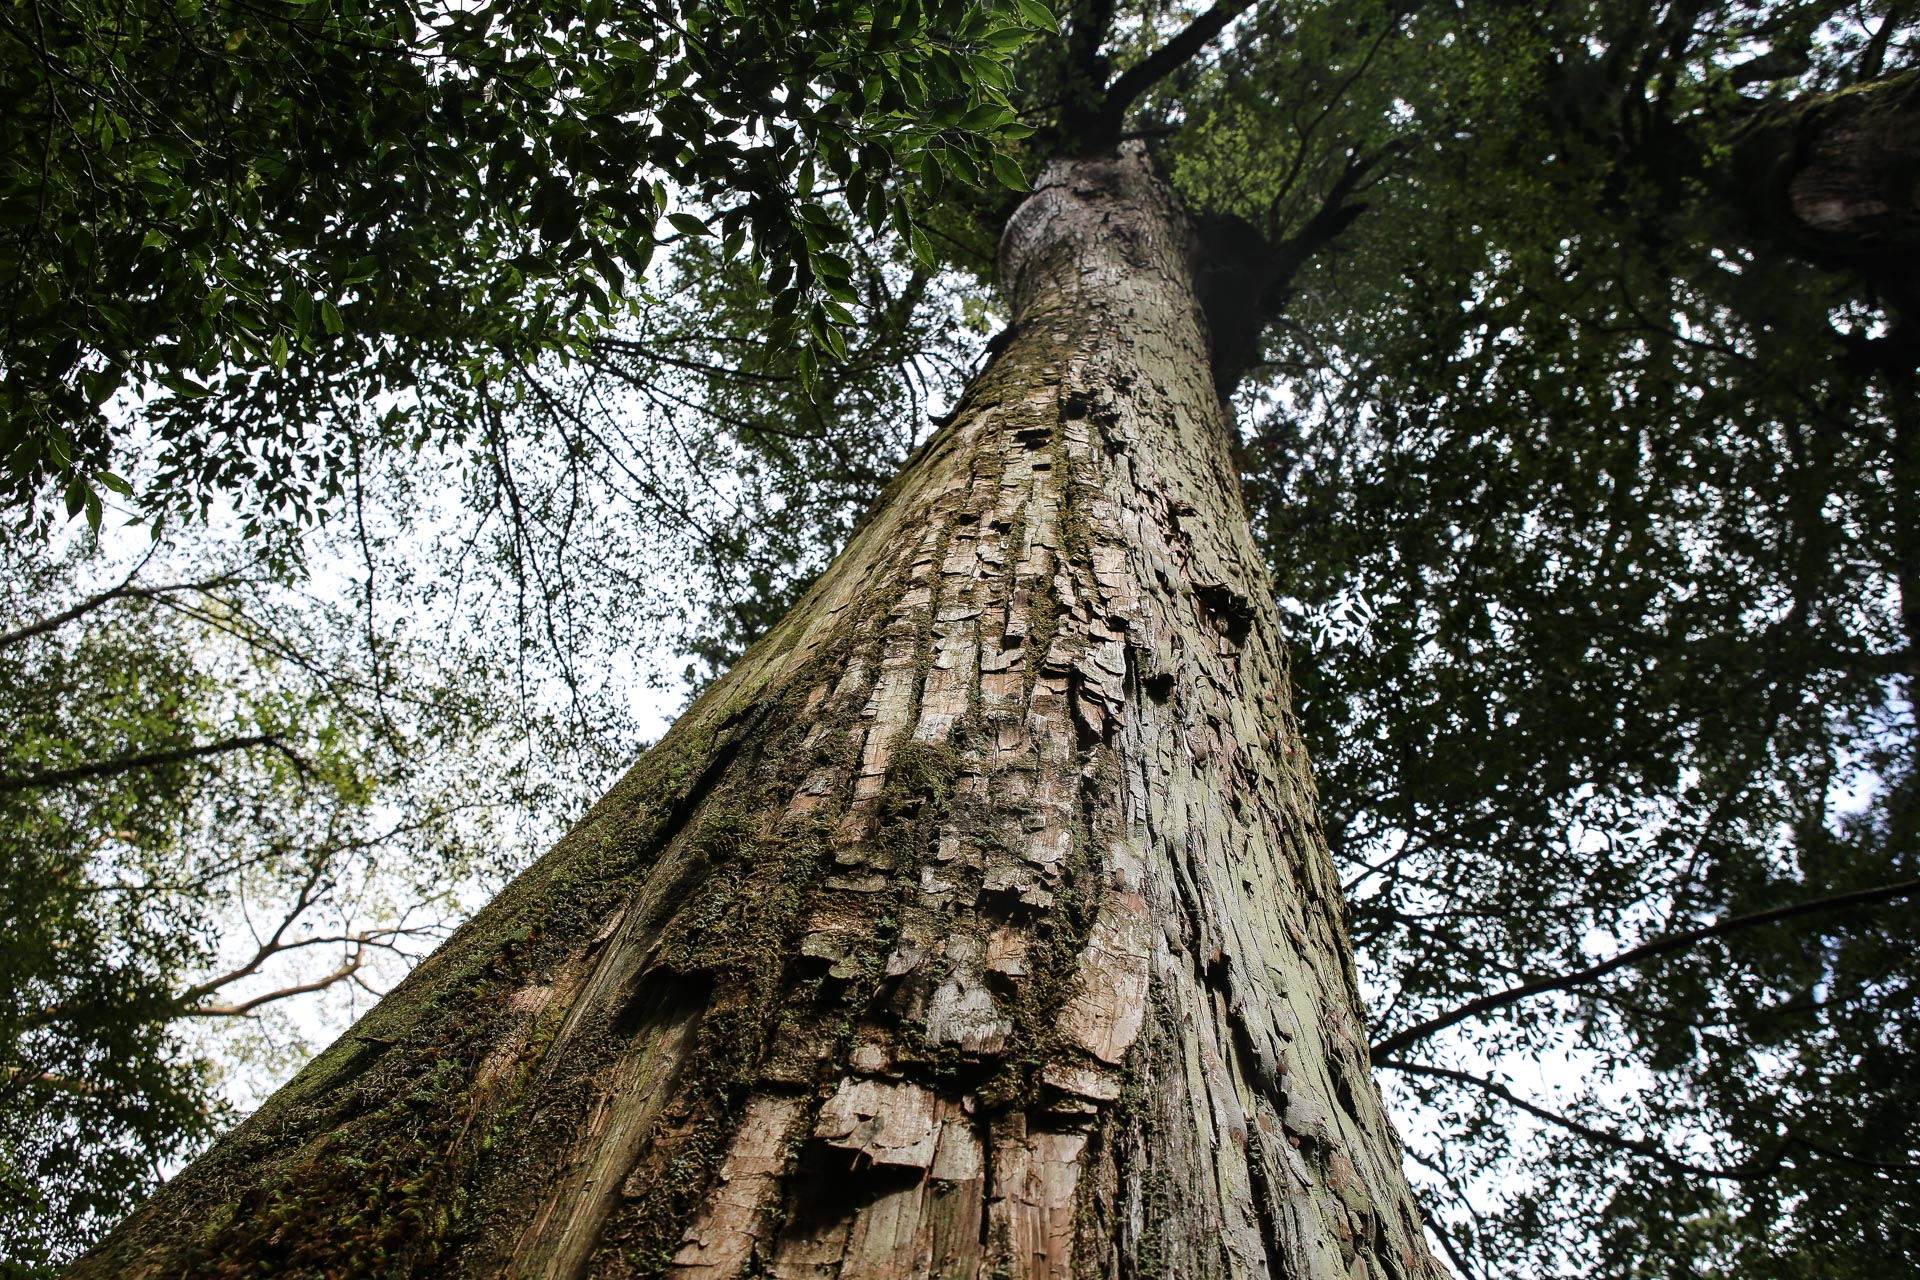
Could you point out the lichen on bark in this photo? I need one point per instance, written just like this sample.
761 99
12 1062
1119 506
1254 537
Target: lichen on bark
977 924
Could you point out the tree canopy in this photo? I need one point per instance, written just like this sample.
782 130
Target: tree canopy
1575 354
264 221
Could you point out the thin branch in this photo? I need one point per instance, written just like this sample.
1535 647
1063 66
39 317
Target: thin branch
1435 1223
308 895
244 1007
1758 1167
1834 1153
1875 56
124 591
152 760
1659 946
91 603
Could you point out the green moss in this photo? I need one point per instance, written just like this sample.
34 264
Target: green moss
740 931
919 773
383 1190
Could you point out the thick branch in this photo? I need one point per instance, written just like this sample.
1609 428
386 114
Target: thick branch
1083 76
152 760
1160 64
1827 177
1244 279
1663 945
65 616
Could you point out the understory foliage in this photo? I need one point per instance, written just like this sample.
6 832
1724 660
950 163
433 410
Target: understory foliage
221 791
1591 492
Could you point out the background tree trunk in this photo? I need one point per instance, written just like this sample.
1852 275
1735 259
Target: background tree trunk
1835 177
979 923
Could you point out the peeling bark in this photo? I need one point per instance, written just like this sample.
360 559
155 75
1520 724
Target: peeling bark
979 923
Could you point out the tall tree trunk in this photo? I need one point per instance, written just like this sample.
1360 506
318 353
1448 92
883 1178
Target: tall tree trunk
979 923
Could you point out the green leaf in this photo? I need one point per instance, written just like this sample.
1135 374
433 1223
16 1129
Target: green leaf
1008 172
986 116
1039 15
830 337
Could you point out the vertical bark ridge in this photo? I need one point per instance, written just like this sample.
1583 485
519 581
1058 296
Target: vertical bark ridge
978 924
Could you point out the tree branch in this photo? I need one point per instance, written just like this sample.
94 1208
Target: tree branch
1759 1166
1160 64
125 590
1438 1225
1659 946
1755 1168
308 895
86 606
151 760
244 1007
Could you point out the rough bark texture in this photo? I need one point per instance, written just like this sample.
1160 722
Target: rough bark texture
977 924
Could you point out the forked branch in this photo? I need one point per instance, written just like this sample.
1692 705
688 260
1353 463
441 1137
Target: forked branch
1160 64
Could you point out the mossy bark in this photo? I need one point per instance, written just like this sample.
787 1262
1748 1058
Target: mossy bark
979 923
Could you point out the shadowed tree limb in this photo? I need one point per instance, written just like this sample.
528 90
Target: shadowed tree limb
1663 945
1759 1166
1158 65
152 760
1437 1226
1755 1168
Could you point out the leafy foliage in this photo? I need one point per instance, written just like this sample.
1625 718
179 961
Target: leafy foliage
1592 497
1599 534
215 795
270 226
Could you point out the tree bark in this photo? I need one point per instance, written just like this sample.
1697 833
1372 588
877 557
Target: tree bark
978 923
1835 178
